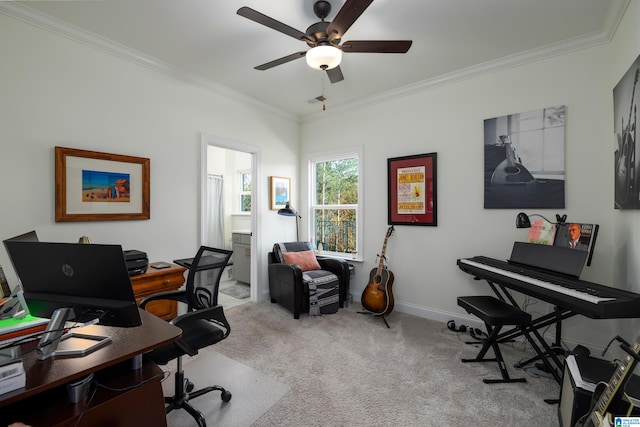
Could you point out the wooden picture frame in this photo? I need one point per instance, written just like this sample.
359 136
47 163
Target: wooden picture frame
412 190
95 186
279 192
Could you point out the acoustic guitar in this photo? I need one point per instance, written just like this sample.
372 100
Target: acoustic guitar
377 297
610 396
510 171
626 156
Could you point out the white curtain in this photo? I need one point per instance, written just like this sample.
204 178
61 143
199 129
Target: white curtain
215 210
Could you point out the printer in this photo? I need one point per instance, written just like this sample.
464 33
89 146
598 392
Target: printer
137 261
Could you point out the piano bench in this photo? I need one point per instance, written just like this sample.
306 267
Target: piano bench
495 314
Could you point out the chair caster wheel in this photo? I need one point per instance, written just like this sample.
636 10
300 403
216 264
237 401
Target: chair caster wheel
188 386
226 396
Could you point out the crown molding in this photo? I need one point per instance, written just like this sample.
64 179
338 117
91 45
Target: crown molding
23 13
38 19
615 14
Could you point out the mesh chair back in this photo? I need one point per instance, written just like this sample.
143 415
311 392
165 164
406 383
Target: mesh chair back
204 276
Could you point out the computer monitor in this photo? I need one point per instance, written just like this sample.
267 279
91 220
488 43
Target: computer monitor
74 281
91 279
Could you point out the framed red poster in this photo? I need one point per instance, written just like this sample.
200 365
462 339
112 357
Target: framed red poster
412 190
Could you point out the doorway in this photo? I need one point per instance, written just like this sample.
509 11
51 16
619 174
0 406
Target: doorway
228 217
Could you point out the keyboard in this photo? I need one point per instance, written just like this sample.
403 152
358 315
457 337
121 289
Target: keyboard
586 298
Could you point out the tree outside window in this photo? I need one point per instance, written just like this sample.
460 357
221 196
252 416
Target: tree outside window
245 192
334 206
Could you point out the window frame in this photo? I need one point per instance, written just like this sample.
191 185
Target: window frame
242 192
319 157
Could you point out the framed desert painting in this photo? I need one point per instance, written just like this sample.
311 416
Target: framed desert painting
96 186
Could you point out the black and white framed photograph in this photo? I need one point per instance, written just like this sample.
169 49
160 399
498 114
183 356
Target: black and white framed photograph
524 160
625 115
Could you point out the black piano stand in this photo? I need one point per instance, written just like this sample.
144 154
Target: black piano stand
555 348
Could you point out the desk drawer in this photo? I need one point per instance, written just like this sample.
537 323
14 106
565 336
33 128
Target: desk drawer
154 281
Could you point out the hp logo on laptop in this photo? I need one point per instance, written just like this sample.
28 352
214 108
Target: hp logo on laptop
67 270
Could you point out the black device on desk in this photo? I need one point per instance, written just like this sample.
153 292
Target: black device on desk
74 281
137 261
91 279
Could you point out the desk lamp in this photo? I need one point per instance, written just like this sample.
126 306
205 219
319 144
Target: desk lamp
289 211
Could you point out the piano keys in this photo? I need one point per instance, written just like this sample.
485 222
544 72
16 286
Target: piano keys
586 298
550 274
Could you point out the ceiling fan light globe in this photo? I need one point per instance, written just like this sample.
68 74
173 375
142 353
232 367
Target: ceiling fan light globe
324 57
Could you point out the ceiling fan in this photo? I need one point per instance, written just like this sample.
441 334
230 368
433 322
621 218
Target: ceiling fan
324 37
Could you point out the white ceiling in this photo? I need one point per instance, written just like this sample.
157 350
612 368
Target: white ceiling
205 41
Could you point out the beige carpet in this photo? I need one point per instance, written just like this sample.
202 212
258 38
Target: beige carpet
348 369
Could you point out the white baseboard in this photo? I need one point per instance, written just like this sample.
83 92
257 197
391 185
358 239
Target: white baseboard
470 321
439 315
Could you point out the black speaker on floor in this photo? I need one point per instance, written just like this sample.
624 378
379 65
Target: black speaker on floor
581 375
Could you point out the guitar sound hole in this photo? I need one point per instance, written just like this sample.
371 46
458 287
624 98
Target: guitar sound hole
512 169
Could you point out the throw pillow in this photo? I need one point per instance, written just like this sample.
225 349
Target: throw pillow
305 259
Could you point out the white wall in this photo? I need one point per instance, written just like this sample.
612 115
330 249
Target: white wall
55 91
449 120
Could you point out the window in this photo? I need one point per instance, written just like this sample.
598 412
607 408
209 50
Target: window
334 203
245 191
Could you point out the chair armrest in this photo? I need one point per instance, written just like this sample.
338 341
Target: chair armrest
179 295
214 314
291 273
337 266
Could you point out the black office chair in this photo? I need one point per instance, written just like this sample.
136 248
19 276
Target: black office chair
203 324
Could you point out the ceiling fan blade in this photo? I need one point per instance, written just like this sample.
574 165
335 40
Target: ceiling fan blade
280 61
346 16
377 46
335 75
265 20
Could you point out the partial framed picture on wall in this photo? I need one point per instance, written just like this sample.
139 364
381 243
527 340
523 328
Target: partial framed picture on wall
95 186
279 191
412 190
626 162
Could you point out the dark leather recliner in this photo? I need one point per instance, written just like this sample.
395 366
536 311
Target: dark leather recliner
287 285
